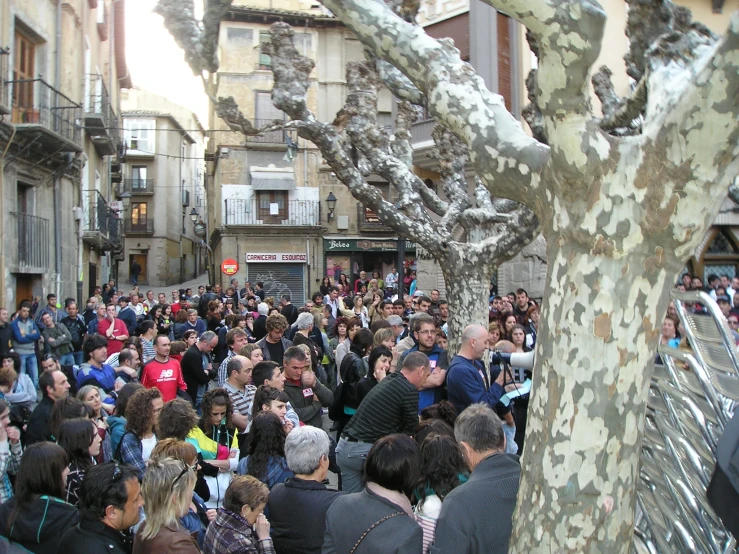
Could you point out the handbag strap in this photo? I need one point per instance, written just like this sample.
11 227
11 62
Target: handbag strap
375 524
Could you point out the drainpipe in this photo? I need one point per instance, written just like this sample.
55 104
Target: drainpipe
57 179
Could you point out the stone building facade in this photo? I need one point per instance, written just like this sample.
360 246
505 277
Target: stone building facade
62 67
163 176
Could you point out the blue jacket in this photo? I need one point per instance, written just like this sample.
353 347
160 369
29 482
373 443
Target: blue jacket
439 359
199 327
128 316
103 377
465 384
29 337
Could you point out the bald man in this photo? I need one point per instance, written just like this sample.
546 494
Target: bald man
239 387
467 381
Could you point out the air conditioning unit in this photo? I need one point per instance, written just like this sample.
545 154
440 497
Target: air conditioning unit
185 198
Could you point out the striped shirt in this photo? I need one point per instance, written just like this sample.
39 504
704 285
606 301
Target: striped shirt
148 348
390 407
242 400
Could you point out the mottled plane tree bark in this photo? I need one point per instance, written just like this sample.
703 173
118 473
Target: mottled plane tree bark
623 199
468 235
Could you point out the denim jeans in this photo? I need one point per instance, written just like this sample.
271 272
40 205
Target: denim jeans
67 359
510 438
29 366
350 456
199 399
78 358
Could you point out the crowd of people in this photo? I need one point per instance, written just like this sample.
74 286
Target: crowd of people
196 424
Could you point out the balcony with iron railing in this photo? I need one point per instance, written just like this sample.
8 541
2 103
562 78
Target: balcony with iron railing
136 186
4 87
299 213
138 226
33 243
100 120
369 222
40 110
422 143
271 137
99 222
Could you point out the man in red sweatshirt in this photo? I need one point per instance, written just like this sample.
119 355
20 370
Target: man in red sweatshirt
163 372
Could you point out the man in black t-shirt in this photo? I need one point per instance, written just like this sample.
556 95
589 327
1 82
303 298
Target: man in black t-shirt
274 344
288 309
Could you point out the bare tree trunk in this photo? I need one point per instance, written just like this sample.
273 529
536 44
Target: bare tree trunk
468 289
598 333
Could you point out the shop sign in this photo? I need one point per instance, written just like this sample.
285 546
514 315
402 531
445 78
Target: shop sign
276 258
364 245
230 266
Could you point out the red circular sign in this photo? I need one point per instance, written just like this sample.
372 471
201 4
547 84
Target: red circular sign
230 266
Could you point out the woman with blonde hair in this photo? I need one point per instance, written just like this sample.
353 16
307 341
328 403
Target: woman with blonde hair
90 395
167 490
198 515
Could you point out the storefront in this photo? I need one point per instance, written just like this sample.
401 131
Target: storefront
350 256
280 273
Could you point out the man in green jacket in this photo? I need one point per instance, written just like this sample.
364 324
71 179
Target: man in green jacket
57 340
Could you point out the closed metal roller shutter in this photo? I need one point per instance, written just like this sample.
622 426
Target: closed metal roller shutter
279 279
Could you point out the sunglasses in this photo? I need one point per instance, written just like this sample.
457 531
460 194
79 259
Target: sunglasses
185 469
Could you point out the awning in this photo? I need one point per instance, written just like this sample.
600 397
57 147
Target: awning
272 180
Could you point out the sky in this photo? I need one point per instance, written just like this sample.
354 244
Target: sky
156 63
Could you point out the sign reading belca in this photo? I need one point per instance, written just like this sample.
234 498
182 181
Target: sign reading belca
230 266
277 258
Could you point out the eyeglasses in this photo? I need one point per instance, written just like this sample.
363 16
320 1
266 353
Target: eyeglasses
185 469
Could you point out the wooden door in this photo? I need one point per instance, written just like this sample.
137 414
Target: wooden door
92 276
141 259
23 75
23 289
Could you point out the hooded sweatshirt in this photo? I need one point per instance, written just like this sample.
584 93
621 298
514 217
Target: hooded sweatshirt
39 527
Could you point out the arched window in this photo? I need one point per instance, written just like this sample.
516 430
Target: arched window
721 256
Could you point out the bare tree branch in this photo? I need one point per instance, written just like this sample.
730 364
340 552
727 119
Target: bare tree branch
458 98
399 84
199 40
619 113
291 71
451 154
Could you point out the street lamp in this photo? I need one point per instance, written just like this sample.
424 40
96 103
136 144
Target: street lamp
331 203
126 199
201 232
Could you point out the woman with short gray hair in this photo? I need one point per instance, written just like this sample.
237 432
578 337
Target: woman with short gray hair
298 506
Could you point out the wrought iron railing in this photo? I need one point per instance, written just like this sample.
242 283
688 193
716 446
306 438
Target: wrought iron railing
4 87
35 102
137 186
98 101
272 137
422 130
33 241
254 212
115 230
138 226
97 215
